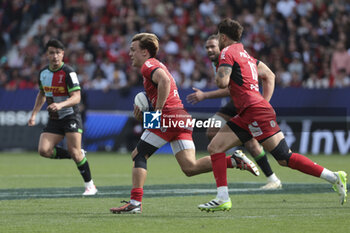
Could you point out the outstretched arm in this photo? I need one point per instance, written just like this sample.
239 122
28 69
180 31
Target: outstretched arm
199 95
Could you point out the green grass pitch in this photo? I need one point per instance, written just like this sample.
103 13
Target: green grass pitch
43 195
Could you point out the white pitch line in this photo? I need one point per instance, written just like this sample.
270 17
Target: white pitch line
55 192
125 192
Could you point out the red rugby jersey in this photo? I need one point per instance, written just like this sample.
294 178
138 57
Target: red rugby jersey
173 101
243 85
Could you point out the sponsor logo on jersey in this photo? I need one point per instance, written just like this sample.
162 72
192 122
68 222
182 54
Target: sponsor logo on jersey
55 90
74 77
254 129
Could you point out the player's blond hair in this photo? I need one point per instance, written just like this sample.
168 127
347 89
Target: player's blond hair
148 41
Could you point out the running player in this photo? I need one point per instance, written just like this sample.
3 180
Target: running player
161 89
59 87
256 118
228 111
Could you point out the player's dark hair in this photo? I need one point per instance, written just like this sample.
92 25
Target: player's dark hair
54 43
231 28
148 41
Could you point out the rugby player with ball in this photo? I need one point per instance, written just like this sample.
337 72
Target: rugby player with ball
161 90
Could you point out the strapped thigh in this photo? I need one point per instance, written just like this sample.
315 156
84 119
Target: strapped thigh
143 149
281 151
147 145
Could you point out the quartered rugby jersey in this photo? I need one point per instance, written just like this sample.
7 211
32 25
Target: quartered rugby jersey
57 85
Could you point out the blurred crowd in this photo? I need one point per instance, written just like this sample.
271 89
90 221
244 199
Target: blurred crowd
306 43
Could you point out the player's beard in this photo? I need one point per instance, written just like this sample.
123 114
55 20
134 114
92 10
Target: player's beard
213 57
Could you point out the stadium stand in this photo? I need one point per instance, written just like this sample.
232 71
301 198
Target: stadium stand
306 43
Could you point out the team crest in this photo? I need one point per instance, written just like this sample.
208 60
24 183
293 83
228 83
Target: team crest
272 123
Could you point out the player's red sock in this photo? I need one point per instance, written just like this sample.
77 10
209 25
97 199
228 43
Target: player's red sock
305 165
229 162
218 162
136 194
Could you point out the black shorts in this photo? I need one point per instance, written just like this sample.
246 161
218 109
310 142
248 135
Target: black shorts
229 109
243 135
68 124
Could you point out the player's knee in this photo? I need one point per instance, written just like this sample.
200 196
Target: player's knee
75 154
282 163
141 153
140 161
281 153
45 152
190 169
188 172
213 148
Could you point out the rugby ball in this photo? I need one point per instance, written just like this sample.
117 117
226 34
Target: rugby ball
141 101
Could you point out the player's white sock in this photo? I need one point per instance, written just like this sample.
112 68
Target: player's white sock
272 178
222 193
89 184
329 176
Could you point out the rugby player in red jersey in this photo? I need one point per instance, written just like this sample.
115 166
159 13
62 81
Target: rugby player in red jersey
256 118
161 90
229 110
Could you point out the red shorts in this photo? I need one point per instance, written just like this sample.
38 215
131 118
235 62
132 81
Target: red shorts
258 120
180 134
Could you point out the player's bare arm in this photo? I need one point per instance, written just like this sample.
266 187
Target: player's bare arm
268 80
71 101
163 89
39 102
199 95
222 77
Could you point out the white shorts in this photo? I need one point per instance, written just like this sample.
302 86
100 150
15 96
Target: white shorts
176 146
